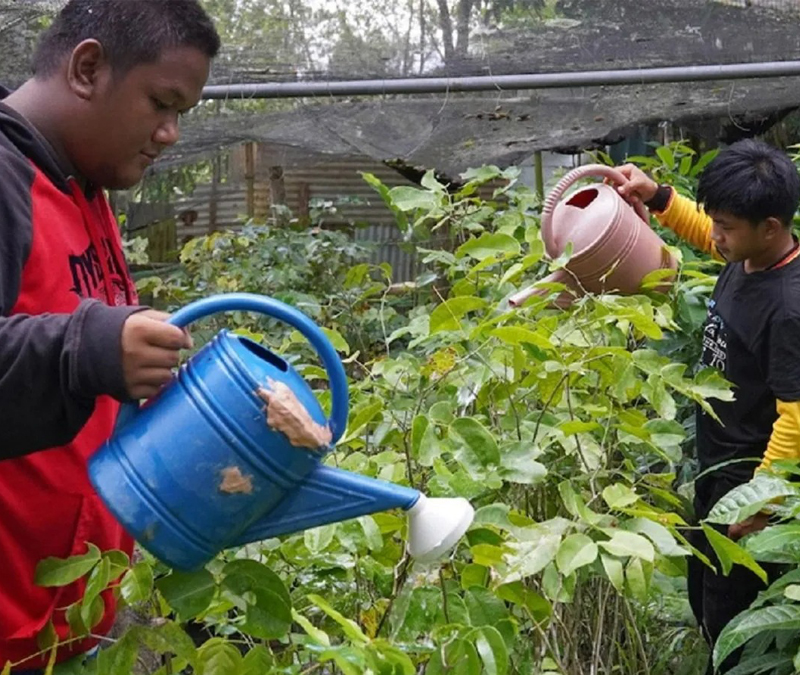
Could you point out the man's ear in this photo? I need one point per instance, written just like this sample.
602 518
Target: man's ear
773 227
85 65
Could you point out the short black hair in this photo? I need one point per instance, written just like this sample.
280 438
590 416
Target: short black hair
752 180
132 32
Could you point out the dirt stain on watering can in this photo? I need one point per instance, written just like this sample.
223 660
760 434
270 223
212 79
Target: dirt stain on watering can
286 414
234 482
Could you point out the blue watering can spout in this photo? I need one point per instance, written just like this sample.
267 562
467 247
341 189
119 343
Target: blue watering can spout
230 453
329 495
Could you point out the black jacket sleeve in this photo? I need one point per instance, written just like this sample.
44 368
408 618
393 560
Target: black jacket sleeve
52 366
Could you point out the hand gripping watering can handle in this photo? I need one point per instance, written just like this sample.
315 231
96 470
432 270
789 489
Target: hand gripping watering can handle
561 187
250 302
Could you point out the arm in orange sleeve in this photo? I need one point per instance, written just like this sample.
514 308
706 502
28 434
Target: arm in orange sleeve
691 224
784 442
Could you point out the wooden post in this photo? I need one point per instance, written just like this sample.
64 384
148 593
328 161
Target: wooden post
250 177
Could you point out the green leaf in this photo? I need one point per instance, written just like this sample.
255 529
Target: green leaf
484 607
137 584
614 572
266 600
624 543
729 553
491 648
317 538
98 581
489 245
337 340
792 592
120 658
637 578
64 571
618 496
257 661
478 439
516 593
319 636
748 499
576 551
514 335
458 656
753 622
446 317
218 657
777 543
408 198
188 593
351 628
664 541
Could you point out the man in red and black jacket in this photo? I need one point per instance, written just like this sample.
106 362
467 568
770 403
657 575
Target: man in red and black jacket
111 78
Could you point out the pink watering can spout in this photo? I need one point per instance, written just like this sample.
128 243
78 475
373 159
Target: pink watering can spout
613 245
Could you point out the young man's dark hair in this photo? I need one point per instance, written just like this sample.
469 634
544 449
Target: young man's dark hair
112 80
132 32
751 180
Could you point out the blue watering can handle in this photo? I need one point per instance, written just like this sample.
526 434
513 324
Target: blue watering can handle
250 302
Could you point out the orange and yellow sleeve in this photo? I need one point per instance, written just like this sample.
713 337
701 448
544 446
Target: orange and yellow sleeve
784 442
690 223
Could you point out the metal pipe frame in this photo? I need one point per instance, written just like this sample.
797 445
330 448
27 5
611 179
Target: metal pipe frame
440 85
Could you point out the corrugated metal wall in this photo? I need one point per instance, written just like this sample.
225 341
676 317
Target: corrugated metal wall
334 182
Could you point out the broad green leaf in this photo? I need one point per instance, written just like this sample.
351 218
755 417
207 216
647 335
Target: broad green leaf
624 543
487 554
792 592
515 335
257 661
361 417
753 622
317 538
137 584
458 656
447 316
527 558
337 340
478 439
637 578
386 658
484 607
268 607
408 198
576 551
97 582
218 657
777 543
729 553
351 628
748 499
614 572
664 541
489 245
64 571
188 593
618 496
120 658
319 636
516 593
474 575
491 648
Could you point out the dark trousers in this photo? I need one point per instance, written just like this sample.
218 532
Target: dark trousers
715 599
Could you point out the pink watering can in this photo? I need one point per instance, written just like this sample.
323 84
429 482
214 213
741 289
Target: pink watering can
613 247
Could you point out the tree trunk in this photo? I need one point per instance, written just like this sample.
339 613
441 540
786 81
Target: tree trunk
462 27
446 24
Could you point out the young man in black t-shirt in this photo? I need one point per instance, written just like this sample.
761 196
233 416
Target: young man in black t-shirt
749 194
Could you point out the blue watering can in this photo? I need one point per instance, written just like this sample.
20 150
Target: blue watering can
230 453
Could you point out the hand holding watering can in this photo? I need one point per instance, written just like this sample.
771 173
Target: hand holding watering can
230 452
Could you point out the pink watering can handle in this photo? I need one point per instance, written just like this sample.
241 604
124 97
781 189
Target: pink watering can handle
561 187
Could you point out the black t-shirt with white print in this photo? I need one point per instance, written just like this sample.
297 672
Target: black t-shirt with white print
752 335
